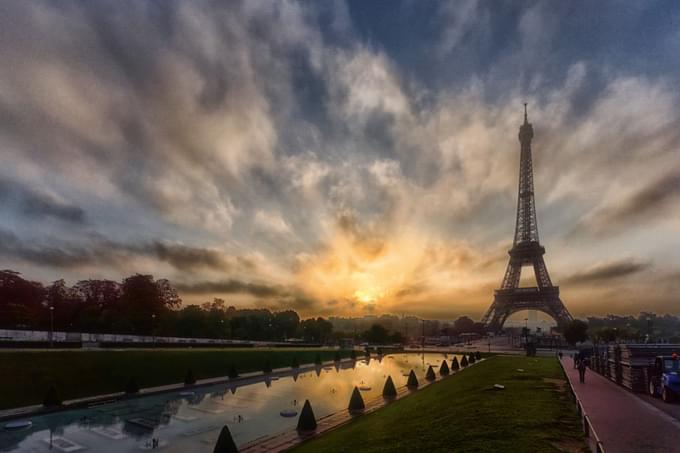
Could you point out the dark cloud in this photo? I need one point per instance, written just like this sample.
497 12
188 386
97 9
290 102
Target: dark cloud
648 203
47 255
608 271
184 257
98 250
233 286
37 205
265 294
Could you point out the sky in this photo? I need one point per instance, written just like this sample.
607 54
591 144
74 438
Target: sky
343 157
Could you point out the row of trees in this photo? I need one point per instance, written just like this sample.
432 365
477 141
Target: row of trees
144 306
406 326
646 327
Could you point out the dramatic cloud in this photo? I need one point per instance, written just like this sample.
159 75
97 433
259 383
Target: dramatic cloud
35 205
605 272
332 158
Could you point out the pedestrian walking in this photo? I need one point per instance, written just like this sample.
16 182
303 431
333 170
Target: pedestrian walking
575 357
582 364
560 355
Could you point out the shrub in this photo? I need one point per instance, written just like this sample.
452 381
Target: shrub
356 402
471 359
225 443
132 386
478 355
353 354
389 390
430 376
233 372
464 361
412 380
307 421
189 379
52 398
444 368
454 364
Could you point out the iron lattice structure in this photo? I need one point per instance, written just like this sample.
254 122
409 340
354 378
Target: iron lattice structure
526 251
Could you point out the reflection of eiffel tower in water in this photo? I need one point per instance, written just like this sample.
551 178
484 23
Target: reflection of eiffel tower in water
526 251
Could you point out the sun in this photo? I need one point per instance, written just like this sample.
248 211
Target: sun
368 295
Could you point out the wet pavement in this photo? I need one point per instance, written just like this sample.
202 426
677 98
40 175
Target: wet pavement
624 422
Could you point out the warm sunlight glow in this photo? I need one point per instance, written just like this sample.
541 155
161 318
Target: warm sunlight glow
368 296
361 271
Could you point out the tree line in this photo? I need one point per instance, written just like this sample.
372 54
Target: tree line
142 305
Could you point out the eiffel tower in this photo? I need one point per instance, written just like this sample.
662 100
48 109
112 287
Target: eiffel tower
526 251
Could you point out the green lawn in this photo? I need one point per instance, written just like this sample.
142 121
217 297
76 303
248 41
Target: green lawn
462 413
26 375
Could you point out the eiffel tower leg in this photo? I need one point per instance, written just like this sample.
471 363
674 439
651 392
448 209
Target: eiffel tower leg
512 274
541 272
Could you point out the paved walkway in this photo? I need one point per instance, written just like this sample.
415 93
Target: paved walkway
624 422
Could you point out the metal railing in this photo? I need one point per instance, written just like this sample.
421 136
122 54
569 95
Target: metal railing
592 439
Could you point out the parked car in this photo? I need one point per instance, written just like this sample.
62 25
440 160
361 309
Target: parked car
663 378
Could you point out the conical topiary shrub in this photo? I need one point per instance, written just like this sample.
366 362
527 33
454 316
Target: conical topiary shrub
267 367
189 378
307 421
356 402
464 361
132 386
337 357
233 372
430 376
367 352
295 363
471 359
380 351
454 364
225 443
444 368
317 360
478 355
412 380
389 390
52 398
353 354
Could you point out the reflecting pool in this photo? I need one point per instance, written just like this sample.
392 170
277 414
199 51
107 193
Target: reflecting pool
190 420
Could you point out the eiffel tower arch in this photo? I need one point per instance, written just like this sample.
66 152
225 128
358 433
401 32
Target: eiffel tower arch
526 251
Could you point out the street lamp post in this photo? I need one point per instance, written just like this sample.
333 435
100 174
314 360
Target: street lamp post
153 330
51 326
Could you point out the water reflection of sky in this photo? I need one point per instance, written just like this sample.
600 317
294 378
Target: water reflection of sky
190 421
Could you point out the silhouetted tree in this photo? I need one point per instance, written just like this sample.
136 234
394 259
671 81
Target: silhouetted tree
575 332
377 334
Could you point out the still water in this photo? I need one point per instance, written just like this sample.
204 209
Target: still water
191 420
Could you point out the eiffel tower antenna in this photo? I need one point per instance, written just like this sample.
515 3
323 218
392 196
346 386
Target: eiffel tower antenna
526 251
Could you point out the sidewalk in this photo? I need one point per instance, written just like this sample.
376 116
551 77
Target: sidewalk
624 422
